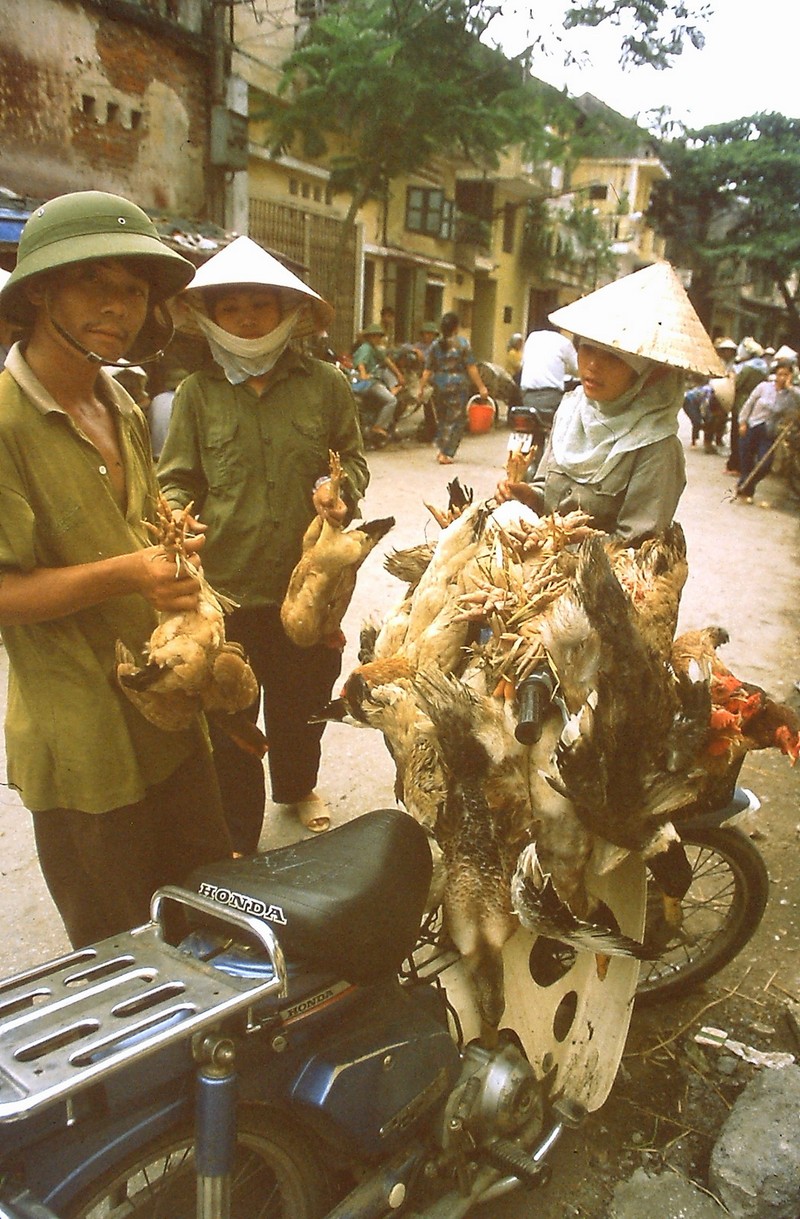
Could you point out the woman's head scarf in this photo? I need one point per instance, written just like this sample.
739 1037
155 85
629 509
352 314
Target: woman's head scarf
590 438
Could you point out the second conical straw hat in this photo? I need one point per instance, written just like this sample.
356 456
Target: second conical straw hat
646 314
244 263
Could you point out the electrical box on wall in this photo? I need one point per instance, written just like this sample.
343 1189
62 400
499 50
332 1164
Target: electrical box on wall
229 147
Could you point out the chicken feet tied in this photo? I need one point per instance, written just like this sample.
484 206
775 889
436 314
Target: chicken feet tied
189 666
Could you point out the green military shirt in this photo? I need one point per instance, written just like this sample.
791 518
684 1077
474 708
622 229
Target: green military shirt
249 462
73 740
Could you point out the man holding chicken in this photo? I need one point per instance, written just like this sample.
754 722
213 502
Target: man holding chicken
119 807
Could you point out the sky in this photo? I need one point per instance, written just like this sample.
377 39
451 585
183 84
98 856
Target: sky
749 64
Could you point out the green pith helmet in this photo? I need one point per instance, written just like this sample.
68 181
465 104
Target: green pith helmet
92 224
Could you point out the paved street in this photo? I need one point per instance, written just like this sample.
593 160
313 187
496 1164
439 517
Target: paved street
744 569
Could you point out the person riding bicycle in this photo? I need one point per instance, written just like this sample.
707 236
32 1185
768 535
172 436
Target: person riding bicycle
370 362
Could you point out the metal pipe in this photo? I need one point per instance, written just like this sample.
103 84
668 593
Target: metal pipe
215 1126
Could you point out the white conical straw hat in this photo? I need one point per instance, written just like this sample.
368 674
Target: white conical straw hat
645 314
242 262
785 352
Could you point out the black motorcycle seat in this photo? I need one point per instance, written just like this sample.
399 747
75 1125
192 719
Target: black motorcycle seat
350 900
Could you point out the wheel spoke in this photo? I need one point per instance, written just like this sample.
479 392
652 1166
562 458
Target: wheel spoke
720 910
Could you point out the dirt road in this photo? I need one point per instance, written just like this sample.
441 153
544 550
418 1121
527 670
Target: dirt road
744 569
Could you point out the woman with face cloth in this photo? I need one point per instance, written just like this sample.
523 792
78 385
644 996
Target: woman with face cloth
614 450
248 445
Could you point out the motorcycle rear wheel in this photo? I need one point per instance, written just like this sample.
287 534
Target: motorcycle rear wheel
722 909
275 1176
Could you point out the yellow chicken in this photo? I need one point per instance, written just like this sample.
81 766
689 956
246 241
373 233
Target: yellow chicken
323 580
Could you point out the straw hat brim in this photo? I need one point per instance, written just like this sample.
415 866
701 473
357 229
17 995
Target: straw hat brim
244 263
647 313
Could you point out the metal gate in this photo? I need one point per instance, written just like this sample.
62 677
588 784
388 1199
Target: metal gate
314 241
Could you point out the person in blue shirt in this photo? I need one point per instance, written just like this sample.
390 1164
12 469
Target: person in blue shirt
452 368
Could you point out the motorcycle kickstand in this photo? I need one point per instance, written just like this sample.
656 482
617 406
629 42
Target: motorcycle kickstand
215 1123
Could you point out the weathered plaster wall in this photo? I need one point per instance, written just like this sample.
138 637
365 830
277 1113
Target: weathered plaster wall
91 101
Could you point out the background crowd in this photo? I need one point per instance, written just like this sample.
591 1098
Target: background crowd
747 414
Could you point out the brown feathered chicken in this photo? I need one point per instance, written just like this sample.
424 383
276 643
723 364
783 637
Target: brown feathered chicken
188 665
741 715
653 576
610 755
322 583
379 695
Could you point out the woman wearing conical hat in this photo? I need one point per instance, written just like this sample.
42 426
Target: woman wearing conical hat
248 445
614 450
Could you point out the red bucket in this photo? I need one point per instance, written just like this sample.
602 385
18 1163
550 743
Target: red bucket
480 414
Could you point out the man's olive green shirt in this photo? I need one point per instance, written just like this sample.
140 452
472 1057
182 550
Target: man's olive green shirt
248 463
73 739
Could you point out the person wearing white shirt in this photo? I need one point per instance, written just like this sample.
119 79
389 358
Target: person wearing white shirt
549 360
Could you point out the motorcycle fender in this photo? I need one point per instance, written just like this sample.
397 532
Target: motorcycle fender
738 813
375 1078
60 1168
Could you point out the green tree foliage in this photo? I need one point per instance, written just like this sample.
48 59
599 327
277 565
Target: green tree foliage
404 81
401 83
732 205
573 239
651 31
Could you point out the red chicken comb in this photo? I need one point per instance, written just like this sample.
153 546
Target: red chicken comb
788 742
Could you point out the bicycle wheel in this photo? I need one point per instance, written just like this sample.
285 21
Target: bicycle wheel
722 908
275 1177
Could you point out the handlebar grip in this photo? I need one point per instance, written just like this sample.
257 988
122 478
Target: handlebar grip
533 699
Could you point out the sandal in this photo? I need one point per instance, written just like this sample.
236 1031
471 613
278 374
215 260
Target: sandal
444 460
313 813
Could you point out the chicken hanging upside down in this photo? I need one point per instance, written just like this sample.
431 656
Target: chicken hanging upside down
322 583
189 666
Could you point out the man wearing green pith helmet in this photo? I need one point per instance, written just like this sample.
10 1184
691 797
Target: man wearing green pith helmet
119 807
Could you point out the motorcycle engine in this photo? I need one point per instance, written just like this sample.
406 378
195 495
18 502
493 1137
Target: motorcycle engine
496 1095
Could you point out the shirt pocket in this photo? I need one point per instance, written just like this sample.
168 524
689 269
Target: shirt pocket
309 439
223 461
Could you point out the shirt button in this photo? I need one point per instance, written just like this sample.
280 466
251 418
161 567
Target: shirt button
103 469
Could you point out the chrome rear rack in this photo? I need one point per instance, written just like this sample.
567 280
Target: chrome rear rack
76 1020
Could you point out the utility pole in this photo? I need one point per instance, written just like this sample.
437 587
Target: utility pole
227 194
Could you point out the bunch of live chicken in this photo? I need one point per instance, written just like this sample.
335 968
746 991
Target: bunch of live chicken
642 727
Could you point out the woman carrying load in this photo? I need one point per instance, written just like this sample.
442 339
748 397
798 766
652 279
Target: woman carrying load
614 450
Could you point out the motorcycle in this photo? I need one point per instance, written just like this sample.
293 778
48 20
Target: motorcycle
530 422
409 418
293 1035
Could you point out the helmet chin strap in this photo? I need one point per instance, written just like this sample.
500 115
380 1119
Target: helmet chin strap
92 356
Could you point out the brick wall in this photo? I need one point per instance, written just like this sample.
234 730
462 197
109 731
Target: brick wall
93 101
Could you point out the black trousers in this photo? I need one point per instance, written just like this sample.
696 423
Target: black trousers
103 868
296 683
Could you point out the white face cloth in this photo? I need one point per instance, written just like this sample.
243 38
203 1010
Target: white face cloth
241 359
589 438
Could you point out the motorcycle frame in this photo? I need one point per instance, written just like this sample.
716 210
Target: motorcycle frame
77 1133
